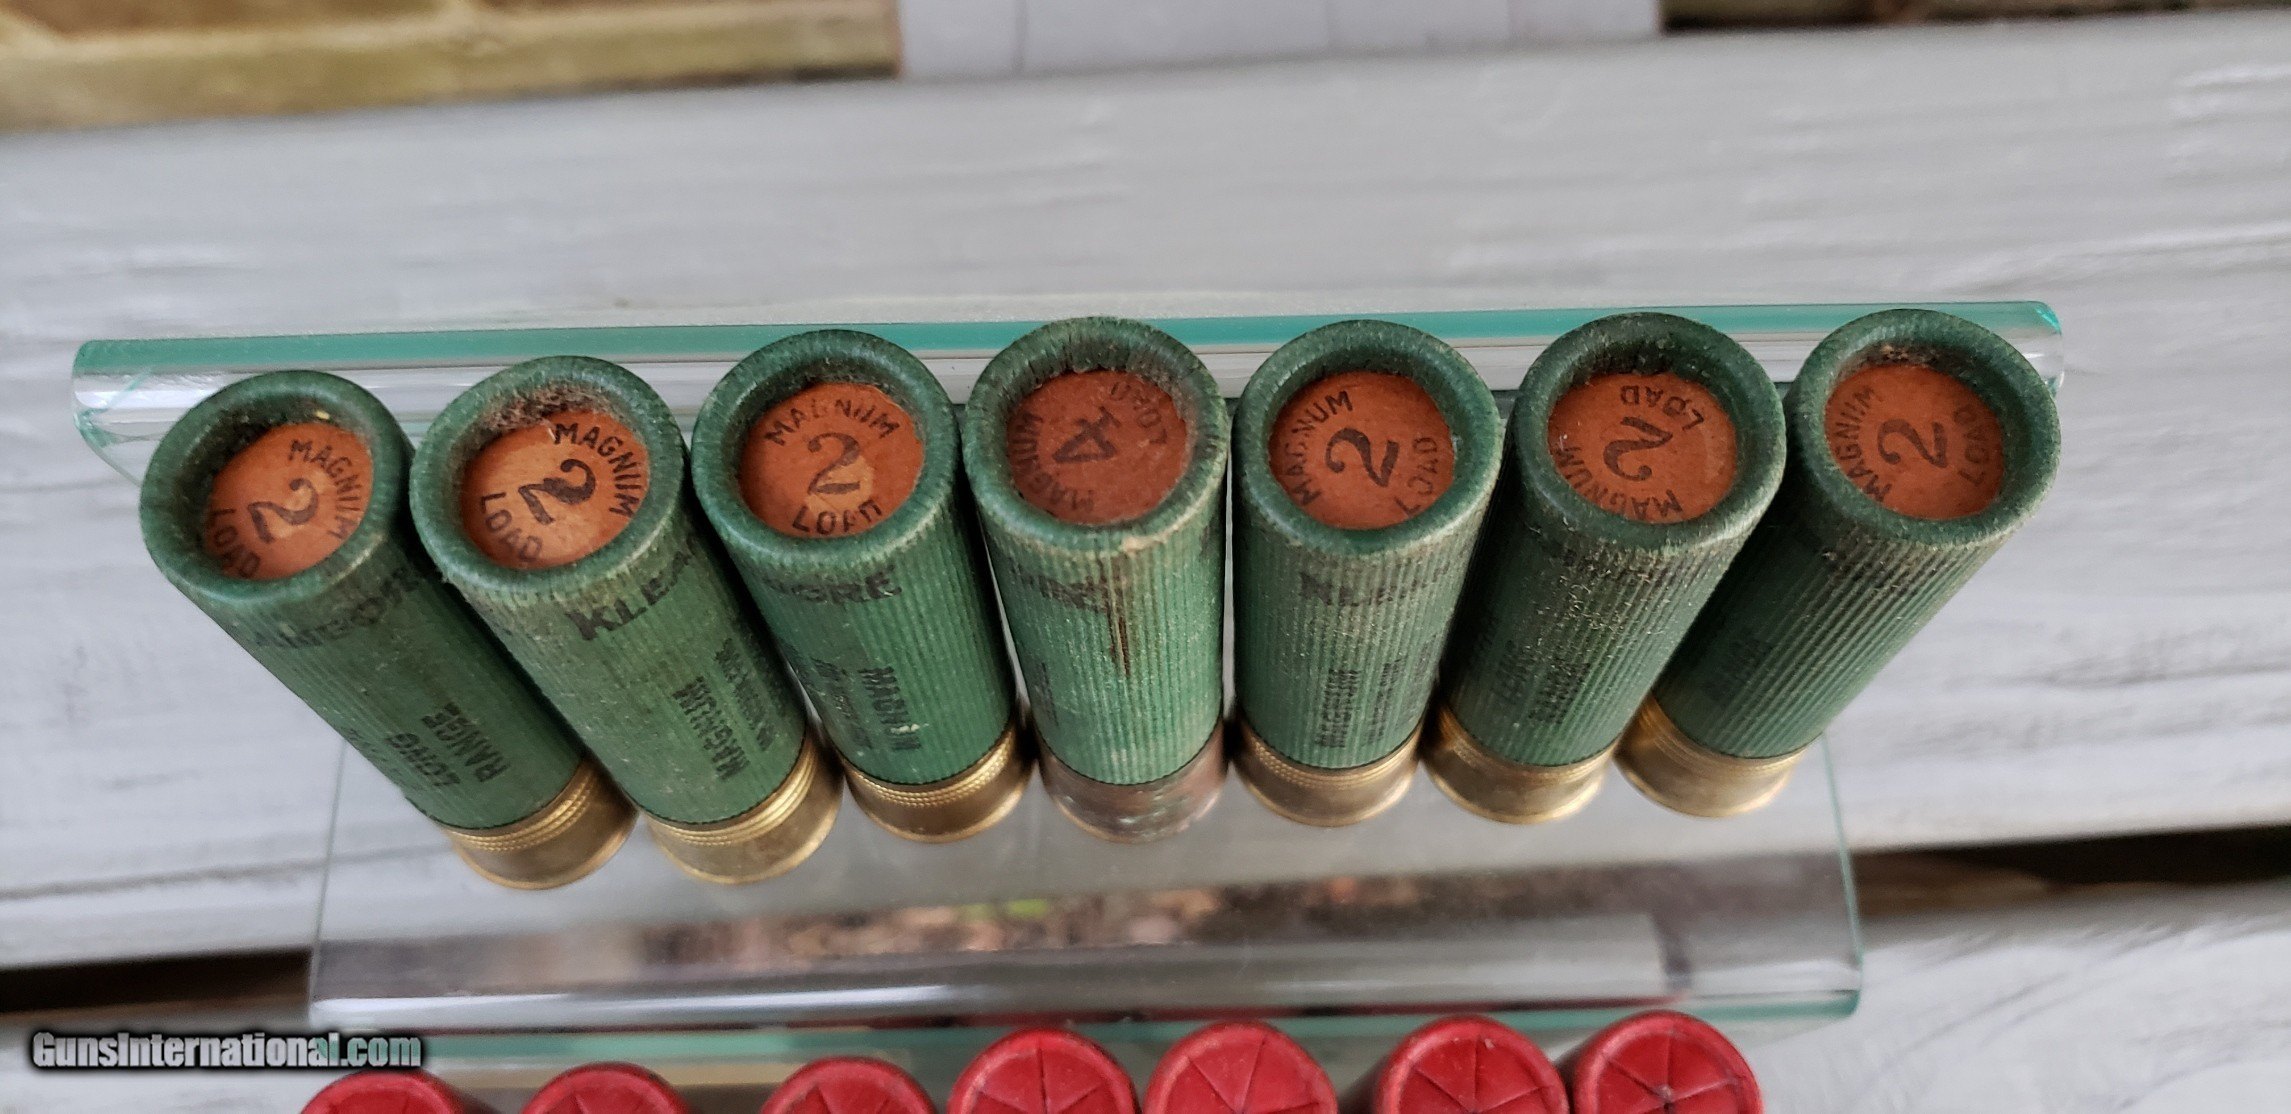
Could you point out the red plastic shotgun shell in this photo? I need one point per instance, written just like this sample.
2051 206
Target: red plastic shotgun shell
392 1092
607 1089
1043 1071
1461 1065
1238 1067
1660 1061
849 1085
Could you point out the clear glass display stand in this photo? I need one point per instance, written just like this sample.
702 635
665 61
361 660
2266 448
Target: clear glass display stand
1346 937
876 945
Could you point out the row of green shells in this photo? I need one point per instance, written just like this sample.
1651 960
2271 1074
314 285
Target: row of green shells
1770 611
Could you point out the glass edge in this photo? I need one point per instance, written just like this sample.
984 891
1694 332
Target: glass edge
312 977
319 350
725 1043
1856 954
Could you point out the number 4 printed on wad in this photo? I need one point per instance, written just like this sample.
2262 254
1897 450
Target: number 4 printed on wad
1096 447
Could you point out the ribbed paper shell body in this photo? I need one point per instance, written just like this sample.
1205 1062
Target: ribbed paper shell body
370 637
890 631
1337 632
1119 629
1572 609
1832 584
645 646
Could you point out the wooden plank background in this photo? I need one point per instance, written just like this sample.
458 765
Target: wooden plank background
2125 665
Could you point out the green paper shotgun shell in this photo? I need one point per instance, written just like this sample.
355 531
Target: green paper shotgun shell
829 464
1096 451
1367 453
1918 443
278 506
1642 449
553 496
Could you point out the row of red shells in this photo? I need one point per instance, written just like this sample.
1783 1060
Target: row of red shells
1659 1062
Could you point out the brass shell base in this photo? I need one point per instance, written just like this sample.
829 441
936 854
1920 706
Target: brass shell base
1143 812
1500 789
769 839
564 840
1684 776
1324 798
952 808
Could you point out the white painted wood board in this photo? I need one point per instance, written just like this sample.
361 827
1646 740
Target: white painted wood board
1007 38
2160 1003
2125 665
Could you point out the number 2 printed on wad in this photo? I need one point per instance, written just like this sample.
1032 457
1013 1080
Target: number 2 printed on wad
288 500
1650 447
831 460
1916 440
553 492
1361 450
